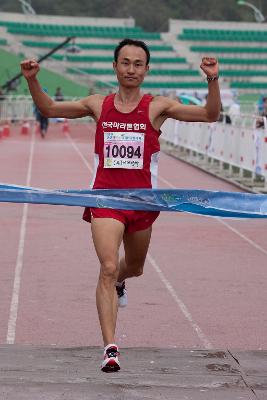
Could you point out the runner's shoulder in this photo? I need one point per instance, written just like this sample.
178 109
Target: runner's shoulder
95 99
160 103
93 102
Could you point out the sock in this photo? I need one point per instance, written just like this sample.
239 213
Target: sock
119 284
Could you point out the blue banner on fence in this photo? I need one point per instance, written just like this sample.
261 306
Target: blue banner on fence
197 201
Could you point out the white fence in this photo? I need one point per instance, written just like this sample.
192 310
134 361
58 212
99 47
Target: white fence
16 108
239 144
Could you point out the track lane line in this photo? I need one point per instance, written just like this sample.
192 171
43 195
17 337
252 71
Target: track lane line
76 148
202 337
226 224
242 236
13 312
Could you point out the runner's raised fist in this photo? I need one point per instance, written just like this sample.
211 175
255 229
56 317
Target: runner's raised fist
210 66
29 68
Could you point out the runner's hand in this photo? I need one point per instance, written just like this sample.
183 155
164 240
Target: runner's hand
210 66
29 68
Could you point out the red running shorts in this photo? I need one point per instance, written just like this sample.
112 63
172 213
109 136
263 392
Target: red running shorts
133 220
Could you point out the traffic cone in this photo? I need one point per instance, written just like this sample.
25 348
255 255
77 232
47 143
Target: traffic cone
65 127
25 128
6 130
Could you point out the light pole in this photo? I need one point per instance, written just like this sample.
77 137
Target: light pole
257 13
27 8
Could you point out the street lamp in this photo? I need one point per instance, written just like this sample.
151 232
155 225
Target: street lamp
257 13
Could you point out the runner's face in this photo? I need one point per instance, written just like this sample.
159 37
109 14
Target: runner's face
131 66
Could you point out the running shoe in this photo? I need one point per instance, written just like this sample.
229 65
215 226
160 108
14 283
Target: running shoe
111 362
122 294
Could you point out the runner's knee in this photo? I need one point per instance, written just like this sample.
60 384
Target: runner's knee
109 271
138 272
136 269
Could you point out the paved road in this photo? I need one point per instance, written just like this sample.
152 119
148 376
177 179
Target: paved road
38 373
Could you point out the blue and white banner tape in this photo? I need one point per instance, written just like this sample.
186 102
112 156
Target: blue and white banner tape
204 202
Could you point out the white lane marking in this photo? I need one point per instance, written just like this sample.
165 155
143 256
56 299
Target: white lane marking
227 225
244 237
181 304
74 145
13 312
167 284
166 182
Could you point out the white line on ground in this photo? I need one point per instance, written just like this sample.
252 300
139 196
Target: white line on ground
167 284
13 313
244 237
169 287
226 224
181 304
74 145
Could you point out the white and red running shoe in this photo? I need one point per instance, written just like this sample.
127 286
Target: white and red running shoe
111 362
122 294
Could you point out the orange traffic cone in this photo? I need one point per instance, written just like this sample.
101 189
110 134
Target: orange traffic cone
65 128
25 128
6 130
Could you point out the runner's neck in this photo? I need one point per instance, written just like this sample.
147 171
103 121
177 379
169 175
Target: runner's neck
128 97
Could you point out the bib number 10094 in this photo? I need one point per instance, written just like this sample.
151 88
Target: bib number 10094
123 150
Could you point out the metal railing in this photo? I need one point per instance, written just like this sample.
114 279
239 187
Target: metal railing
237 150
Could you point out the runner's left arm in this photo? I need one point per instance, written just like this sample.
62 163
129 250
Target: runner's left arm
192 113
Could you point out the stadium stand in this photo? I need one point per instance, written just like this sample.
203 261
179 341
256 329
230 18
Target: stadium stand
92 46
78 58
87 31
228 49
175 55
240 48
91 63
223 35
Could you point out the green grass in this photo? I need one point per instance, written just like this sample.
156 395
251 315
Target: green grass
10 66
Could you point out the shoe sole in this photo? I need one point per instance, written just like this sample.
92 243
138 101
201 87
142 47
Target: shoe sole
111 366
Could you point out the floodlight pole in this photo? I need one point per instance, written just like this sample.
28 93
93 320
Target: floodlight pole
257 13
27 7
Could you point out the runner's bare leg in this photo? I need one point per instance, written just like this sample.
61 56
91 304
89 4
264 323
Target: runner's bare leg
107 236
136 247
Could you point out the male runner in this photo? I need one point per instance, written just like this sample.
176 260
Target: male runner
126 154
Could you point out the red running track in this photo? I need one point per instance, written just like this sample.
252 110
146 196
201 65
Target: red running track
204 284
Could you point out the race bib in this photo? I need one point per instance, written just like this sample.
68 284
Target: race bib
123 150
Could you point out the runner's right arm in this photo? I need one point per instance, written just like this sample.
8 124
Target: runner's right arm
50 108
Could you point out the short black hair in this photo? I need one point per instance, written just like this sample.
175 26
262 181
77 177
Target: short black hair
132 42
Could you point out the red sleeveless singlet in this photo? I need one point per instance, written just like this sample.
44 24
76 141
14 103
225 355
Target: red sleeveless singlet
126 147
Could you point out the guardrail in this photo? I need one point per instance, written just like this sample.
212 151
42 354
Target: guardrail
237 151
17 109
12 109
